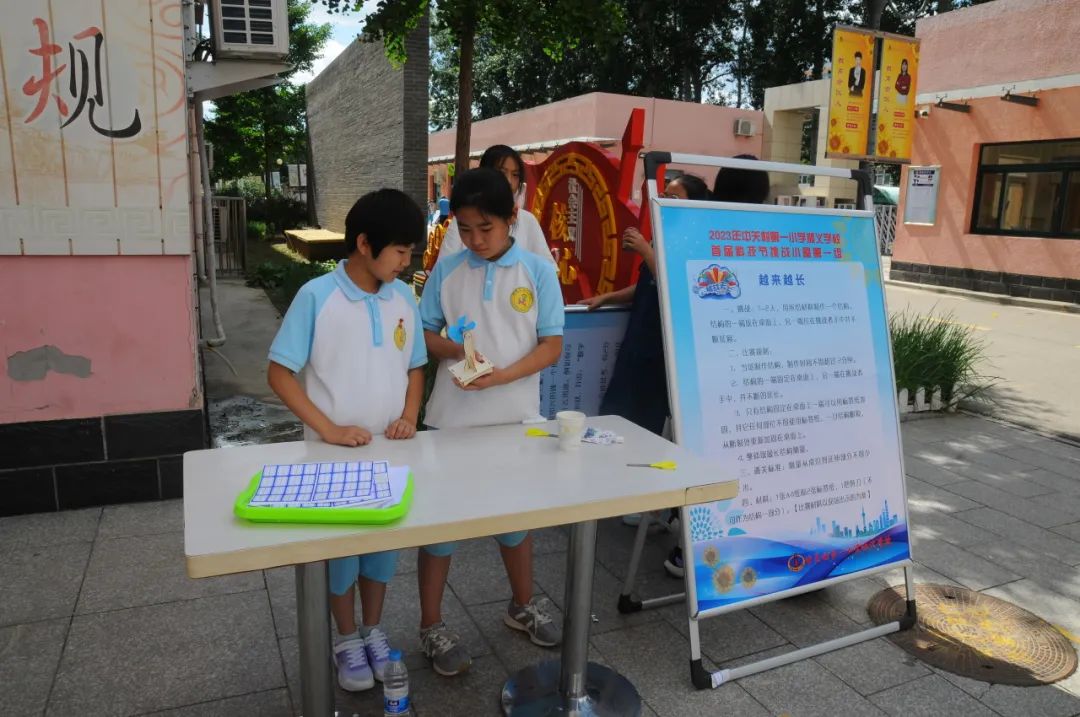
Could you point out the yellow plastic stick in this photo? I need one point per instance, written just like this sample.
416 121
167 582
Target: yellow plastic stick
662 465
539 433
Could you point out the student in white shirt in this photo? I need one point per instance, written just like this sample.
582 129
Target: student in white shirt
525 228
514 299
349 361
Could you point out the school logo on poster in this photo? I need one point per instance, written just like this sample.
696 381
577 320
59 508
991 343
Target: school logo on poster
522 299
717 282
399 335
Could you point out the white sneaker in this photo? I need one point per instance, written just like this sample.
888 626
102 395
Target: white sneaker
378 652
353 672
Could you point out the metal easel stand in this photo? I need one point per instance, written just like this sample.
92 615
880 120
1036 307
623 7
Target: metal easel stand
703 679
627 603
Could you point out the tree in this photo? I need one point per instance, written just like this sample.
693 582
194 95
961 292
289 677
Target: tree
250 131
555 24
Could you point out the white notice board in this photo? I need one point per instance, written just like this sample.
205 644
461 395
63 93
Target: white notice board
920 203
780 371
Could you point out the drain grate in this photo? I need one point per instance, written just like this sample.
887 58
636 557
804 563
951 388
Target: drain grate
977 636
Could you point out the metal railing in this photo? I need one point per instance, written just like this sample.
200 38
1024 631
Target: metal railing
886 225
230 235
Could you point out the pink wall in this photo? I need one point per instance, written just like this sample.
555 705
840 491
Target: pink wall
952 140
132 317
998 42
669 125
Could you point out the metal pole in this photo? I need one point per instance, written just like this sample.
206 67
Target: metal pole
580 560
313 628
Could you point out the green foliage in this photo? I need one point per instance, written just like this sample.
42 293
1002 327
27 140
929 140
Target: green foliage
278 211
256 230
252 130
287 278
933 352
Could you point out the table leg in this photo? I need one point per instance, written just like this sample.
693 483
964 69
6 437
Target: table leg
313 629
573 685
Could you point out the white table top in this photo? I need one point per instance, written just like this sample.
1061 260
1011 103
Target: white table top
468 483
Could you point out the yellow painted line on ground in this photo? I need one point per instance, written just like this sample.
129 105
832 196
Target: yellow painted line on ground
974 327
1067 634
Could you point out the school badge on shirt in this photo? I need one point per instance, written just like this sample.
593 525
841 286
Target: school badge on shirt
521 299
400 335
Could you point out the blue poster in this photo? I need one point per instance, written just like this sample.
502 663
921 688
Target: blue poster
578 381
777 339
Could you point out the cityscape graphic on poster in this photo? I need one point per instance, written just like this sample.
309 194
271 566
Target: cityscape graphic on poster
872 526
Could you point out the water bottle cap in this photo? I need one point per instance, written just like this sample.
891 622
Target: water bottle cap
395 656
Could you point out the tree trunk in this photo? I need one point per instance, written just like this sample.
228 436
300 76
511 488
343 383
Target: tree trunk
874 11
467 40
945 6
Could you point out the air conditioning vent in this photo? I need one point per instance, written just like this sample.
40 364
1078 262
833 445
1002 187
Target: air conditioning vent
249 28
744 128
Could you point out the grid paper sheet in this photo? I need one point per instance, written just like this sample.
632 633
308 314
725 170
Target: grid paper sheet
325 485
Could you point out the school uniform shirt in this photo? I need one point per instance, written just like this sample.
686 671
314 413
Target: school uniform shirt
526 231
514 301
353 350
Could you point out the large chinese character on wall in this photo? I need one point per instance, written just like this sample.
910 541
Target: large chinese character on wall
93 128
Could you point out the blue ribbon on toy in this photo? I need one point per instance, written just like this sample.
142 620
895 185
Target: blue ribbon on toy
457 331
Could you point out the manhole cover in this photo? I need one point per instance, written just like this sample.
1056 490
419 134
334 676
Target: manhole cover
977 636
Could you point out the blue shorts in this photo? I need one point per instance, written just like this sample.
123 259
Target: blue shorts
379 567
509 540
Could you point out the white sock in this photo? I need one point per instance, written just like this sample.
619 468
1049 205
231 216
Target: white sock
365 630
339 638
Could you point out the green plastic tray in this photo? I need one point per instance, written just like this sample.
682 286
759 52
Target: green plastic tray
358 516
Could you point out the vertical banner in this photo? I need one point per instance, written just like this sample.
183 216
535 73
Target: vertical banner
896 101
781 374
851 97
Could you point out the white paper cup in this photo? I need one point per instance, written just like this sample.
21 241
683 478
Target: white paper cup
571 429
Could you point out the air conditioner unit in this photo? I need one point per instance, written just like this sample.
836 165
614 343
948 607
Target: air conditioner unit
744 128
249 29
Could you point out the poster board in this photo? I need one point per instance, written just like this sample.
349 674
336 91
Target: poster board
578 381
780 370
920 201
851 93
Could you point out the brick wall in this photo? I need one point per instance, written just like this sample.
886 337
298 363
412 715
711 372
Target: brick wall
368 126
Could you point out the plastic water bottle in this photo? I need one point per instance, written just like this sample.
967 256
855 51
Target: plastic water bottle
396 687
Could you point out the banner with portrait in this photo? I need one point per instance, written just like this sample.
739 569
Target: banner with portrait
851 94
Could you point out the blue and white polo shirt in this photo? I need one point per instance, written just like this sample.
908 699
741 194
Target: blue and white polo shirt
353 349
514 301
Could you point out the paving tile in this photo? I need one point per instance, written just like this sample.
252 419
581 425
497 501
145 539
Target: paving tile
1056 609
167 656
281 584
29 655
615 543
1055 575
550 574
805 620
1070 503
806 688
1046 460
1052 544
727 636
42 530
930 696
514 649
1048 701
551 540
130 519
40 583
1070 485
1016 482
1071 531
1022 508
147 570
655 658
930 496
477 692
923 576
272 703
975 688
935 525
962 566
852 596
873 666
928 472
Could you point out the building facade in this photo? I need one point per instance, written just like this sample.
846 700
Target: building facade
999 101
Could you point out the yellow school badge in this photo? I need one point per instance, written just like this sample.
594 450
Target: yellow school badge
522 299
400 335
